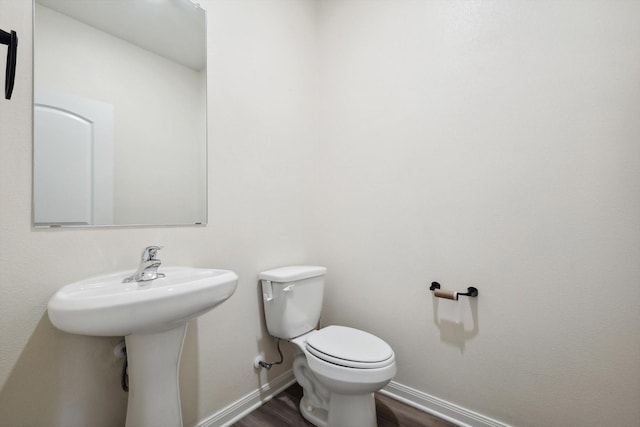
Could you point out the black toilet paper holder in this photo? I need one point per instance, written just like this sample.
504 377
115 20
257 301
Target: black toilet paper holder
471 291
11 40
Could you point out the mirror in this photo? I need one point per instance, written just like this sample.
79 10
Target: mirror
119 113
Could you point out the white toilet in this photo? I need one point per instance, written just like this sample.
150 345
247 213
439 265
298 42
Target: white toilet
339 368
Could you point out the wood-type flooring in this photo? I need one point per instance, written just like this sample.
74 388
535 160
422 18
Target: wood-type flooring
282 411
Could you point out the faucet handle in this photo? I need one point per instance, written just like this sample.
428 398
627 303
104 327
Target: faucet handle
149 253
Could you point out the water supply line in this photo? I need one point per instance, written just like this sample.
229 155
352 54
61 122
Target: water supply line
266 365
124 379
120 351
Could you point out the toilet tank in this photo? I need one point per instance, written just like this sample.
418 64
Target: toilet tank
292 299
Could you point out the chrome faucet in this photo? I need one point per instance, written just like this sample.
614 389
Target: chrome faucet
148 269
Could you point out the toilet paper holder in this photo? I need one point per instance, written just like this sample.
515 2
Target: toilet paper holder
441 293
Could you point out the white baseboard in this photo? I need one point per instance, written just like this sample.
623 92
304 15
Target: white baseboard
412 397
438 407
251 401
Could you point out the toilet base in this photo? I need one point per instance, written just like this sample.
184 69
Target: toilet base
352 410
344 410
316 416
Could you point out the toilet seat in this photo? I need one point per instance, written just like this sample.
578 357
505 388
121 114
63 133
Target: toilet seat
349 347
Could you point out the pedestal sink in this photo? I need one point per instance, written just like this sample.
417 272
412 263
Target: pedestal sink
152 316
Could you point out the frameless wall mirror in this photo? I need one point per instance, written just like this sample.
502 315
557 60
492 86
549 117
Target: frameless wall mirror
119 113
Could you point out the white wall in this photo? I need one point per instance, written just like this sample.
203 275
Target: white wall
156 181
262 138
485 143
494 144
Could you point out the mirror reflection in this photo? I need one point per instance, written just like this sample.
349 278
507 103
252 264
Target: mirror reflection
119 113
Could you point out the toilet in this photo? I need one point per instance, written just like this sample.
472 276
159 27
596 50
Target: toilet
339 368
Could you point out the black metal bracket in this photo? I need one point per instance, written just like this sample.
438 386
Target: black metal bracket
471 291
11 40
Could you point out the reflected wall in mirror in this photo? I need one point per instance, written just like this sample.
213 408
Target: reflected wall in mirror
119 113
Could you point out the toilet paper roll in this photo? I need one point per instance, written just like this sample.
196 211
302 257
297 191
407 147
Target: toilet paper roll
441 293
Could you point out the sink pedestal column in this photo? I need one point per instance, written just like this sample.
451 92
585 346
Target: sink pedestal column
154 395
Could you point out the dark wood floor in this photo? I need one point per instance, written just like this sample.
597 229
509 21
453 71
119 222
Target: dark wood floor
282 411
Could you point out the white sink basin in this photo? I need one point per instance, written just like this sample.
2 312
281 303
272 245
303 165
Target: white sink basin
152 315
104 306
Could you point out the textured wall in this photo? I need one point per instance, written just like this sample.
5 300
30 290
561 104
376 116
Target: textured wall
492 143
496 144
261 141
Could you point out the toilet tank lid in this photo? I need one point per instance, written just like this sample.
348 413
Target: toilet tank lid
293 273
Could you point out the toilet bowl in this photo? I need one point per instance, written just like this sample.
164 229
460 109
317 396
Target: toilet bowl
350 365
338 367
